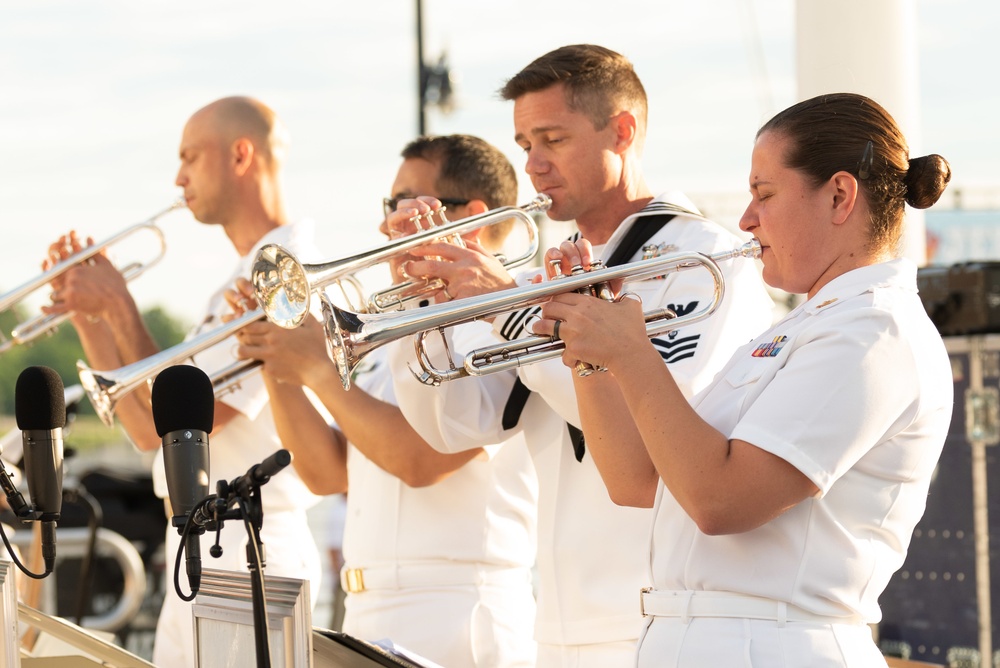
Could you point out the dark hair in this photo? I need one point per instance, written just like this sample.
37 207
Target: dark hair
852 133
599 82
469 168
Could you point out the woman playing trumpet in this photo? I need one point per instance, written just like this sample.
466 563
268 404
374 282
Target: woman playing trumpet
785 494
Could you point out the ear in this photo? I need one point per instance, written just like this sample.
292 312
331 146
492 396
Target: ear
242 155
626 129
844 187
475 207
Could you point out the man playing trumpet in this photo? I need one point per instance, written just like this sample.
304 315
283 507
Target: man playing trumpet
437 547
232 152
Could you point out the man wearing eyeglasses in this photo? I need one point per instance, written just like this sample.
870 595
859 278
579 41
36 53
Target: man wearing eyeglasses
438 548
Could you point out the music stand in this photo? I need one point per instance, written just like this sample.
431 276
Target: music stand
224 627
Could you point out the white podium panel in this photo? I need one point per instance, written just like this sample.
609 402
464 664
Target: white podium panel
9 643
223 621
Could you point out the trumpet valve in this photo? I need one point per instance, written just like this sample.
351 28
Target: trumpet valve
442 219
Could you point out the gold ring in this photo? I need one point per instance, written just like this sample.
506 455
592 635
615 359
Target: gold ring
446 293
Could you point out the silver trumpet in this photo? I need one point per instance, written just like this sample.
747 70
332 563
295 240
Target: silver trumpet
106 388
32 329
351 336
283 284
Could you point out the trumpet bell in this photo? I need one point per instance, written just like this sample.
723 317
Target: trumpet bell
97 388
282 286
339 324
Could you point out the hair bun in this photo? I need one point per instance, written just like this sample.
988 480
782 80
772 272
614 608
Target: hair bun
926 180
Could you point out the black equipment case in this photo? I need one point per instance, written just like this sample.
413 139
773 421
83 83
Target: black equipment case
939 606
963 298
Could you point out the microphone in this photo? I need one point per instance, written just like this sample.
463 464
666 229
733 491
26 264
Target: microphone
183 405
40 412
259 474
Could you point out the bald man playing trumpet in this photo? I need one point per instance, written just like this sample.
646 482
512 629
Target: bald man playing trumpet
231 152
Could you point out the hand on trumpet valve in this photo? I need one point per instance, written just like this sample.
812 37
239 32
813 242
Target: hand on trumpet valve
87 289
570 257
64 247
466 271
593 331
409 215
241 298
403 217
295 356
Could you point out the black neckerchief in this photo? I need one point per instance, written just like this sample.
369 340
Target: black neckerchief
642 230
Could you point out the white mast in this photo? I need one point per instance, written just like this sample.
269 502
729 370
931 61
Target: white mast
867 47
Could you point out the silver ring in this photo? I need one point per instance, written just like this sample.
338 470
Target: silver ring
446 293
555 329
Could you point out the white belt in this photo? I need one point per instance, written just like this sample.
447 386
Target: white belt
444 574
689 604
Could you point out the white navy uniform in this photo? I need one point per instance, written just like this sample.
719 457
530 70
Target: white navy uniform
247 439
592 554
854 389
444 570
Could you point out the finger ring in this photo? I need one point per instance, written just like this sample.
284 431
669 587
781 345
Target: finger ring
555 329
446 293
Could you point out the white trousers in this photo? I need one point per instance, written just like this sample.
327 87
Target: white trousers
456 626
669 642
290 551
620 654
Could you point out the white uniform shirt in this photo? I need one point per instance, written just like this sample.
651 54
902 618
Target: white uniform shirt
483 513
250 436
475 528
592 556
854 389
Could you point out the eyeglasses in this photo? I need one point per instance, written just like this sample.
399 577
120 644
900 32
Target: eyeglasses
389 203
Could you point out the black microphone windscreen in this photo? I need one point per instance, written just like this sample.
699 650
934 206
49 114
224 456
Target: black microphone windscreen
183 398
39 402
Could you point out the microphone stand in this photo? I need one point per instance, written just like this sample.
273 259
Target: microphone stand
26 513
214 510
95 518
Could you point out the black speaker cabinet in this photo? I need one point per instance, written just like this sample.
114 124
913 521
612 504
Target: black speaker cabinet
963 298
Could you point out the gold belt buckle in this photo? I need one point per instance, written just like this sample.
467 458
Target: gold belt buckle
642 602
355 580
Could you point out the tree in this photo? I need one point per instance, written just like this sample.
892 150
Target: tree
62 349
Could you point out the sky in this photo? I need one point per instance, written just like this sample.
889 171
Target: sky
94 95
